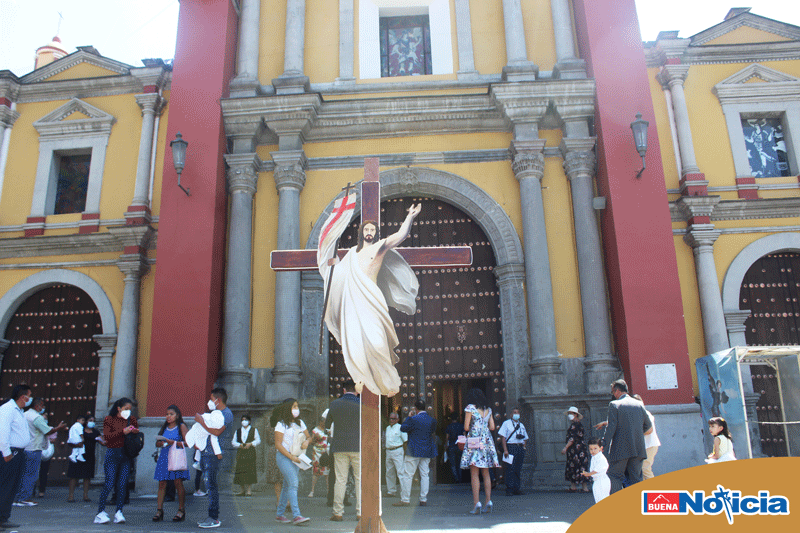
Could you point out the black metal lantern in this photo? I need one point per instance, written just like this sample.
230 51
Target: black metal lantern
179 158
639 128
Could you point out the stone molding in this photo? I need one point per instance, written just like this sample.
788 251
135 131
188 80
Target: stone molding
54 126
779 86
765 208
138 236
133 266
290 169
74 59
50 245
734 320
528 101
696 206
579 164
747 19
527 159
151 103
152 76
672 75
701 237
108 344
242 173
7 116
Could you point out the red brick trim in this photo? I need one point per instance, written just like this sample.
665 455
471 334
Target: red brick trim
89 223
5 101
35 226
747 188
694 185
150 89
134 250
137 215
699 220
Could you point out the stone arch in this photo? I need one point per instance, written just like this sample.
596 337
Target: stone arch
510 271
47 278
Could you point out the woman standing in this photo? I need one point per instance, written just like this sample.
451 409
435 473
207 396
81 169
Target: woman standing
173 431
84 470
245 440
319 439
576 452
479 453
288 431
116 425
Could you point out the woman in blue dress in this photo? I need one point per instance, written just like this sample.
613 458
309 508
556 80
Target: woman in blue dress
173 431
479 454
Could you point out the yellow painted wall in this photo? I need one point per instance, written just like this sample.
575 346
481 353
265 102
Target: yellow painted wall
539 39
273 35
488 36
746 34
82 70
321 60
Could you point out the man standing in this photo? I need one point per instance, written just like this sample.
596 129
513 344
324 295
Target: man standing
514 438
453 430
421 448
345 415
208 460
33 451
651 442
14 436
627 424
394 454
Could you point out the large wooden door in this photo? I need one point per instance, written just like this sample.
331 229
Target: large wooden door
51 349
456 334
770 290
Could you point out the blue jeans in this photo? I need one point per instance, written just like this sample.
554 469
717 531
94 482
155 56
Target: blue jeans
514 470
290 472
210 465
33 460
10 476
116 463
454 458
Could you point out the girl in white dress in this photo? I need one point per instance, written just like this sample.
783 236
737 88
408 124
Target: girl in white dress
601 485
723 445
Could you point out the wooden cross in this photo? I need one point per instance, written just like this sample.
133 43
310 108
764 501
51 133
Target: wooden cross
438 257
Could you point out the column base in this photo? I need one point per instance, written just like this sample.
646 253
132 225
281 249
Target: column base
238 383
285 384
570 69
547 378
242 87
601 370
291 84
522 71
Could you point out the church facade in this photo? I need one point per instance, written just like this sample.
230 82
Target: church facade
509 121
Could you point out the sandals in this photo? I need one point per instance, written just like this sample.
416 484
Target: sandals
179 516
159 516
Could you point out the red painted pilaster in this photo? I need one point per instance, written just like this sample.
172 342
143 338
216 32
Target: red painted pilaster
187 311
641 265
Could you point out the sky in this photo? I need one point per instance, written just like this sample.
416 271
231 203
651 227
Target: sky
132 30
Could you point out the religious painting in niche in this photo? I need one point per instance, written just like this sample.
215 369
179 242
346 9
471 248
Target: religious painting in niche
73 181
766 146
405 46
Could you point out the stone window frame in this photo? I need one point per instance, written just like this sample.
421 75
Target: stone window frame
58 135
776 95
369 51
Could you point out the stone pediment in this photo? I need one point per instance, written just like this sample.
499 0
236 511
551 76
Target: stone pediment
76 116
757 72
773 85
764 30
103 67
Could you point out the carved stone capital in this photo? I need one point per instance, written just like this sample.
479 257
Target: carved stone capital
134 266
151 103
527 158
510 274
290 169
108 344
578 164
672 75
242 173
702 237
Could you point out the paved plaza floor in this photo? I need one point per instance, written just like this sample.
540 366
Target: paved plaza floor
448 509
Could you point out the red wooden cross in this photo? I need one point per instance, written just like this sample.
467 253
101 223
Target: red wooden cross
439 257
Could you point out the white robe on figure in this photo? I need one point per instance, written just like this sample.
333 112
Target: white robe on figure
358 311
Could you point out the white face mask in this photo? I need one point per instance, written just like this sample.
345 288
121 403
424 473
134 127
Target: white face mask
125 414
211 405
295 413
245 423
571 417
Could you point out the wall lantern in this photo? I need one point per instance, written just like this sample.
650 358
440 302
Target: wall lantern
179 157
639 128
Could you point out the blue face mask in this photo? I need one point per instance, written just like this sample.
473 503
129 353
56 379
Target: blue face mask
515 417
41 411
29 402
90 425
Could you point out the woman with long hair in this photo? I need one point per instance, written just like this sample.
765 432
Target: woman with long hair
291 438
173 431
116 425
479 454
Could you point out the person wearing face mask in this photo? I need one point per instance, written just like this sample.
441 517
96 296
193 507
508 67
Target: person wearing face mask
245 441
84 470
576 451
33 451
210 460
14 436
117 466
514 437
395 456
291 441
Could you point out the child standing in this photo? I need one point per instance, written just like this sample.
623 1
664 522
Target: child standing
601 485
76 437
723 445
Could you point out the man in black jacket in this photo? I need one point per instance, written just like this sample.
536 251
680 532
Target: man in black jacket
345 417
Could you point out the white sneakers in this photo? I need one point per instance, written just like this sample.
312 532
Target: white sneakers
119 518
102 518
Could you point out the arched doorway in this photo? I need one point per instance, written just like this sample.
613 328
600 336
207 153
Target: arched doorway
771 291
454 341
52 350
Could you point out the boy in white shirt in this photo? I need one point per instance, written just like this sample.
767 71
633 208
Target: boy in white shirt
76 437
601 486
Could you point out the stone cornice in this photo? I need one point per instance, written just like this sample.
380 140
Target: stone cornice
138 235
157 76
9 85
764 208
56 245
7 116
778 86
697 206
730 53
71 60
528 102
751 20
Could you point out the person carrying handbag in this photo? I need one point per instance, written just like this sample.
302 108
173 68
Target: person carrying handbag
171 464
479 453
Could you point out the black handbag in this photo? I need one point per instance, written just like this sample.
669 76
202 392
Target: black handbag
134 442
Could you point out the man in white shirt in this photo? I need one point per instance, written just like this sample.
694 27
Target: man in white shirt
14 436
514 437
394 454
651 442
33 451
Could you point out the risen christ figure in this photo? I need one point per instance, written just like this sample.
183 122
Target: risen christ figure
371 277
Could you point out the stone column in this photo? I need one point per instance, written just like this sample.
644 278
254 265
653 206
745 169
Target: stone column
242 185
674 76
516 347
528 165
600 362
290 178
466 53
701 237
346 42
734 322
108 344
314 361
246 81
152 104
293 81
134 266
518 67
568 66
